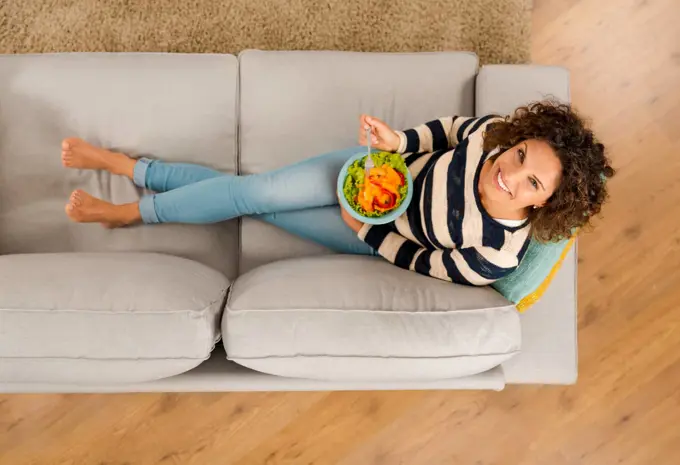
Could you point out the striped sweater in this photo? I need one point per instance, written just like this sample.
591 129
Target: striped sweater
446 233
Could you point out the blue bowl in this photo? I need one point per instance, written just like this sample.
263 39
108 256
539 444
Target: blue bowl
386 218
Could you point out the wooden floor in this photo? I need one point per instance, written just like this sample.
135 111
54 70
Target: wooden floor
625 61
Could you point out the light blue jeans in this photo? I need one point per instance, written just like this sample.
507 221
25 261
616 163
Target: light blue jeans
300 198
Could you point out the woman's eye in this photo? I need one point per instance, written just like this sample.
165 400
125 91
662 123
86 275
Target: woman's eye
533 183
521 155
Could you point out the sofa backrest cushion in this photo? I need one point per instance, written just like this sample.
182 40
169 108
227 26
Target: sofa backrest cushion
295 105
170 106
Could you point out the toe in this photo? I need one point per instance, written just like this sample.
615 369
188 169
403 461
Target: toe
69 143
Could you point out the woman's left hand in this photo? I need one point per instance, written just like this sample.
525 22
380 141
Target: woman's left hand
354 224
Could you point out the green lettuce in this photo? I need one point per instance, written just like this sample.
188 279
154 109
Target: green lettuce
355 178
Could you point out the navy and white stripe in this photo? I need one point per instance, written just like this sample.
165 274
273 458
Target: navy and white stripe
445 233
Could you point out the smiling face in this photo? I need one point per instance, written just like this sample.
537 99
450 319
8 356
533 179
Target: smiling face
520 178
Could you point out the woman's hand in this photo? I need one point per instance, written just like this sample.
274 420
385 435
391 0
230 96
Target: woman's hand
382 136
354 224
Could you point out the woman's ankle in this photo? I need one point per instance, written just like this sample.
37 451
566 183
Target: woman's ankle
129 213
122 165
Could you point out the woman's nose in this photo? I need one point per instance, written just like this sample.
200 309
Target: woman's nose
510 176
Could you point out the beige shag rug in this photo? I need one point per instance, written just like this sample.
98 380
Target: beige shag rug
497 30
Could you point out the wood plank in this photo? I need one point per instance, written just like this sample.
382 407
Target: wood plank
624 57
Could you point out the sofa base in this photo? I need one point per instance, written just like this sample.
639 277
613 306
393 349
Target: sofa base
218 374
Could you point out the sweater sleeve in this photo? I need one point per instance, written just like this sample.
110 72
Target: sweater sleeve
475 266
440 134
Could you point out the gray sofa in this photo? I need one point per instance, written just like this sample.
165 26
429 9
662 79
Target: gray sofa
152 308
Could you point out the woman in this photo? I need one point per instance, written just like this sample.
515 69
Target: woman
482 188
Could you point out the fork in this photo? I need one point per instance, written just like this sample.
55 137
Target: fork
369 160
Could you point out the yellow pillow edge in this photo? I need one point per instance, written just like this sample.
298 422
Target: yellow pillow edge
530 299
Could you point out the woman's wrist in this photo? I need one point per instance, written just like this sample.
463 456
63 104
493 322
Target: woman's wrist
401 145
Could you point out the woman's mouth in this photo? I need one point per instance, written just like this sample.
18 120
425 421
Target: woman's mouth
500 184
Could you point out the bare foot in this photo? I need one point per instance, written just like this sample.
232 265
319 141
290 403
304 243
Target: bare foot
76 153
83 208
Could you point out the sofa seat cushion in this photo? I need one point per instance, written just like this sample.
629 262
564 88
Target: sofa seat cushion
360 318
105 317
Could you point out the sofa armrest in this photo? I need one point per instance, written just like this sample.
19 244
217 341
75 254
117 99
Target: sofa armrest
549 349
502 88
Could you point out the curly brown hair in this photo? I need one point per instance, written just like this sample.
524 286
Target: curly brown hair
585 167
